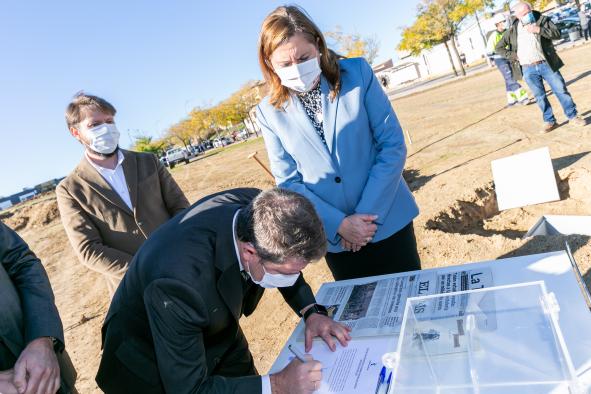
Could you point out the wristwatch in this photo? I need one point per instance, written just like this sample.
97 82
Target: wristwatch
316 308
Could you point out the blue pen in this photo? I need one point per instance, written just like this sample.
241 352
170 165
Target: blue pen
381 379
388 384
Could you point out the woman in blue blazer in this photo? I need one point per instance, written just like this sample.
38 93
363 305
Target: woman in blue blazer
332 135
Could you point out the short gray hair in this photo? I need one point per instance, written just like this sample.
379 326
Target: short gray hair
522 4
282 224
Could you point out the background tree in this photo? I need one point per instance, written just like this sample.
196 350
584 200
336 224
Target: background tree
353 45
473 7
438 22
426 32
180 132
227 116
146 143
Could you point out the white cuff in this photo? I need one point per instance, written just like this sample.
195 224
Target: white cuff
265 384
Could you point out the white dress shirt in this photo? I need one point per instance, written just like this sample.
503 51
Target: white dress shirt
265 380
115 177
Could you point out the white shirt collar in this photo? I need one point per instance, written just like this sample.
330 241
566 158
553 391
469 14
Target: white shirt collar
236 240
120 159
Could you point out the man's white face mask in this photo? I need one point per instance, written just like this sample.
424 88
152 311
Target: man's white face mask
272 281
103 138
300 77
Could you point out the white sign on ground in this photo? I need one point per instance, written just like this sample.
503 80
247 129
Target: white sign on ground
561 225
525 179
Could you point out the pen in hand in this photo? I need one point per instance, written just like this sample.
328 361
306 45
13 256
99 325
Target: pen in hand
300 356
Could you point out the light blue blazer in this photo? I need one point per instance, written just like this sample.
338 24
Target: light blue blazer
360 168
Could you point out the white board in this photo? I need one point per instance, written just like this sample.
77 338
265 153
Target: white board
561 224
525 179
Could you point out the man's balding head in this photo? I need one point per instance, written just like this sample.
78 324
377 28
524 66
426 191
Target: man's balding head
521 9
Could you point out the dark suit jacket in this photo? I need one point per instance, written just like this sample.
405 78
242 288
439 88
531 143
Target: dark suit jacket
103 231
27 306
173 325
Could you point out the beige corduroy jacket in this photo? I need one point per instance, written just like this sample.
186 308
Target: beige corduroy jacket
103 231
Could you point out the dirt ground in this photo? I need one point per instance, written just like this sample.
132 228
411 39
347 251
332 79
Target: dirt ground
457 129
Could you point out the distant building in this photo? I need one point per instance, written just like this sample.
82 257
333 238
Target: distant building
436 61
471 45
383 66
5 204
28 193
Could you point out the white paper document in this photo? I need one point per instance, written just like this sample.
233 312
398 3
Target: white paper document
353 369
376 307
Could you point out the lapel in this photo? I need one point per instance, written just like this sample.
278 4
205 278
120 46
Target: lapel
329 110
229 284
296 112
91 176
131 177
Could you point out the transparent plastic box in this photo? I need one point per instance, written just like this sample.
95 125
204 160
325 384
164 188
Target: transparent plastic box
503 339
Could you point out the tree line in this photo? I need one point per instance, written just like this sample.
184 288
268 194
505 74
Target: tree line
438 22
235 112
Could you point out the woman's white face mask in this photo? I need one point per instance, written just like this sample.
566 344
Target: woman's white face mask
300 77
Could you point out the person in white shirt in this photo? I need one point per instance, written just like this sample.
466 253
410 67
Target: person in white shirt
115 198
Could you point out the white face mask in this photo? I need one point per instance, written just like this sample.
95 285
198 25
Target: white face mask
271 281
104 138
300 77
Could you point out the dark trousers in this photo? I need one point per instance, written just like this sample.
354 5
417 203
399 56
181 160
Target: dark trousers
398 253
7 359
586 31
504 67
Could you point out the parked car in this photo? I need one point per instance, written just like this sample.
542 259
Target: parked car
193 150
221 142
207 144
243 134
176 155
566 25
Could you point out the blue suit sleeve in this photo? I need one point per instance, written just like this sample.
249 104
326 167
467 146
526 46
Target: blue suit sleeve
284 169
29 278
385 175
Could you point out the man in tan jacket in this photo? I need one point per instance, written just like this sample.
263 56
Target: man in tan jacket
114 199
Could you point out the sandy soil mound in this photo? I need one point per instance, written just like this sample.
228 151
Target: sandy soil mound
32 214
